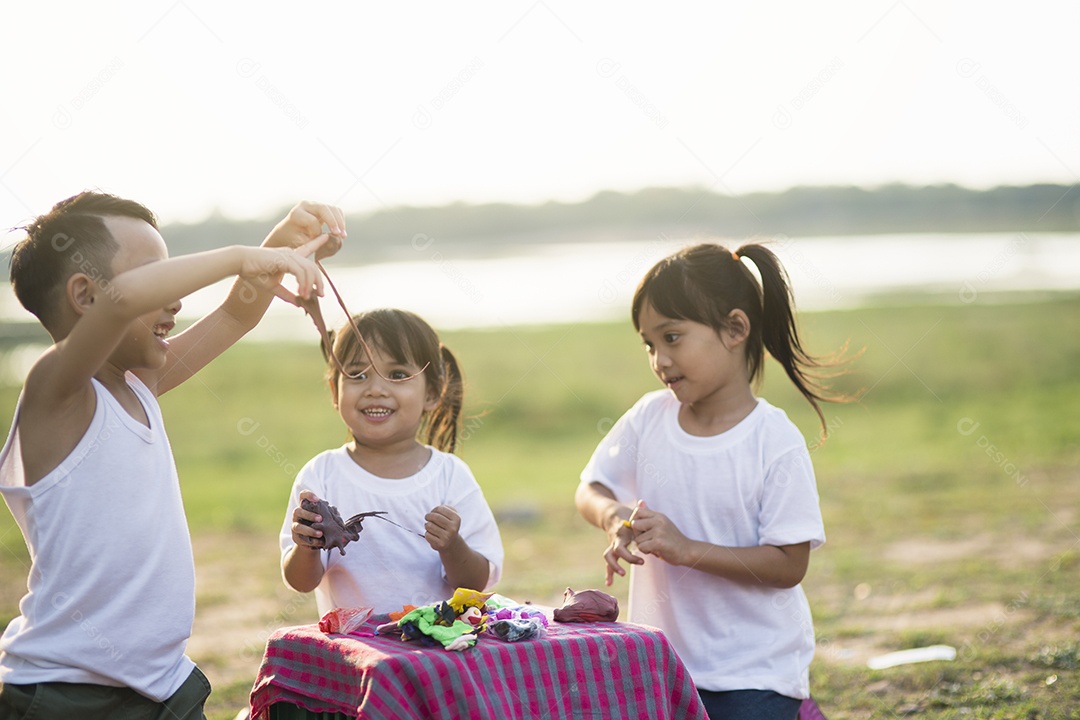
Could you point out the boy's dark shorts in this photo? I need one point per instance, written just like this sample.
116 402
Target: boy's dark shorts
56 700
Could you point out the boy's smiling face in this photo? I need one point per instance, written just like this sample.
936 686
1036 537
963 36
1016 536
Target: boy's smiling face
144 345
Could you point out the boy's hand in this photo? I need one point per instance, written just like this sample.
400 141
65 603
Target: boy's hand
301 226
304 535
268 265
441 527
619 549
304 223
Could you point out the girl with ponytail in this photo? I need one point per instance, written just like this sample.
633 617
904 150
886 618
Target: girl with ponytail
714 485
399 392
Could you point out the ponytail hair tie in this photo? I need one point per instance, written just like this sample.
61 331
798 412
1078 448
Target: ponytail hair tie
735 255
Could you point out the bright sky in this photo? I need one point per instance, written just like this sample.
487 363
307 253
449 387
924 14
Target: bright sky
190 105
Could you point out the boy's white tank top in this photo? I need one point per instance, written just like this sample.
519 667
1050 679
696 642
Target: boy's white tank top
111 587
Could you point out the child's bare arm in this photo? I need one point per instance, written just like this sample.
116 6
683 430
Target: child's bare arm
464 566
198 345
58 399
106 316
778 566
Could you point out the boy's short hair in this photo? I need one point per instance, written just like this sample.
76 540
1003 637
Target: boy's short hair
72 237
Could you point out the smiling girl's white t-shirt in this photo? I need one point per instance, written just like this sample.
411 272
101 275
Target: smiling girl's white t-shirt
390 567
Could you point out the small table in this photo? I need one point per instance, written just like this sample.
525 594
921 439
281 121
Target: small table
577 670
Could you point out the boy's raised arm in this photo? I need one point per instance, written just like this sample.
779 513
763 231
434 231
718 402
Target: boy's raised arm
106 314
211 335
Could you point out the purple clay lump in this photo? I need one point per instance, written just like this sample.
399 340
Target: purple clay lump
335 532
587 606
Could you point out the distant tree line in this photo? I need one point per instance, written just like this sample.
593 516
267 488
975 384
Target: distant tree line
675 213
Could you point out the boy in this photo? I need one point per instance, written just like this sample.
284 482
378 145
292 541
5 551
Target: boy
87 470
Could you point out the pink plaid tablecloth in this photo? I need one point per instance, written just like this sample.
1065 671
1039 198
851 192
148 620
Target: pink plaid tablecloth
581 670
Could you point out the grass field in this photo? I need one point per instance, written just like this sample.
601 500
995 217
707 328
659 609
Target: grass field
949 492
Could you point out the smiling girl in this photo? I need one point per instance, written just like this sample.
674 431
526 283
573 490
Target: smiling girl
395 386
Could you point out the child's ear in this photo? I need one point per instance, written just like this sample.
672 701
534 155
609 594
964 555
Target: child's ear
737 328
80 292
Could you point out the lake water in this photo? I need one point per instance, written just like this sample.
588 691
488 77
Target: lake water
559 283
594 282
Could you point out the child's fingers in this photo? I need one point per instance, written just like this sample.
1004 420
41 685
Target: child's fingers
297 227
338 226
319 288
445 517
308 217
305 534
620 548
613 567
329 215
645 521
306 531
612 561
305 221
306 273
299 513
302 514
308 279
437 538
309 276
308 248
437 525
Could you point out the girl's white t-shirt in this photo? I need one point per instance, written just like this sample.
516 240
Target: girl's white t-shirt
749 486
390 567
